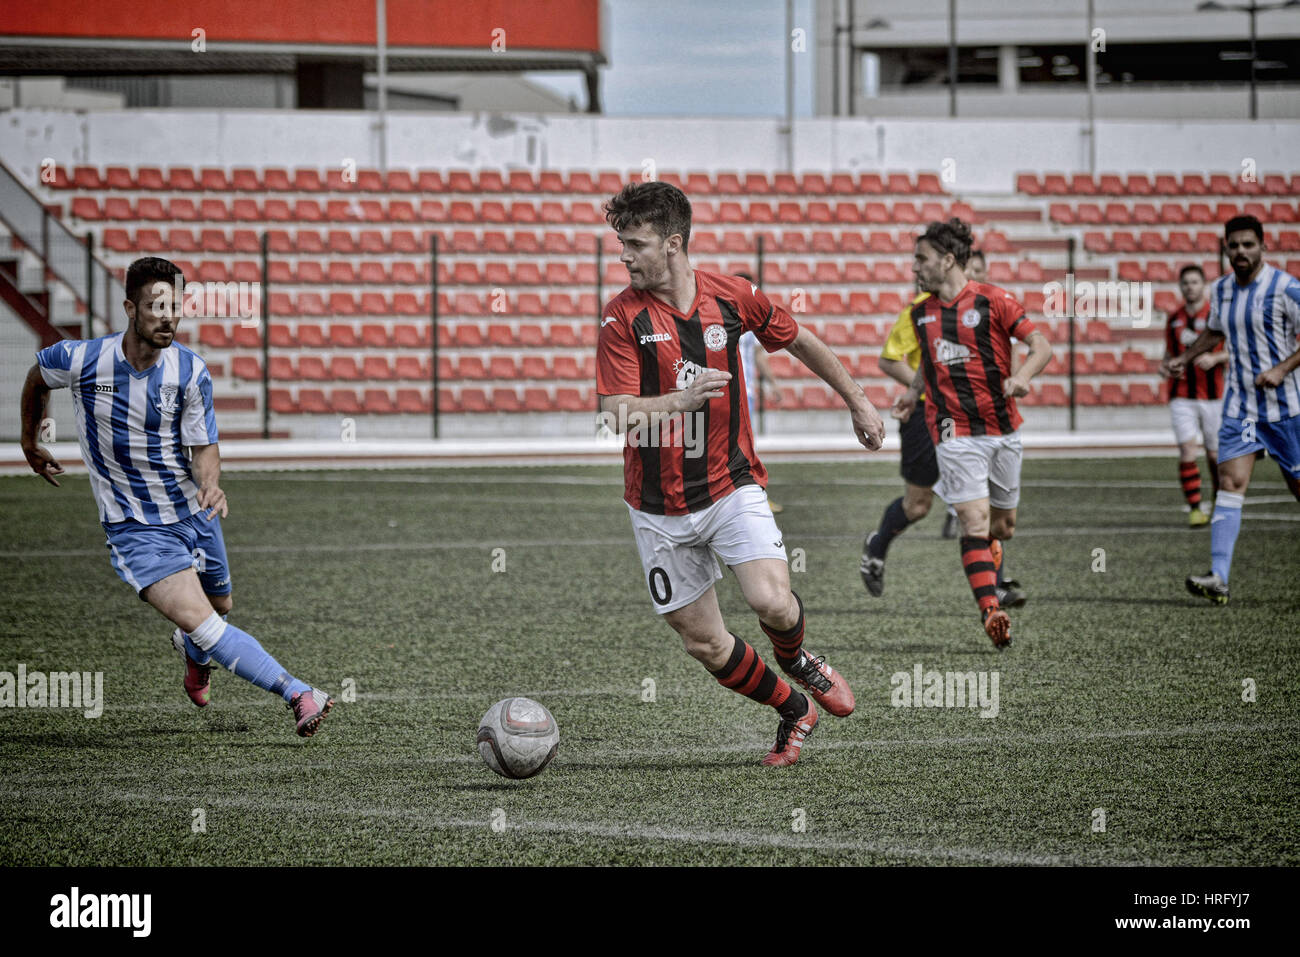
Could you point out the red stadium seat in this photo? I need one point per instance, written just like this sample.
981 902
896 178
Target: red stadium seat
312 369
344 402
275 179
308 181
344 368
414 401
312 336
871 183
378 402
282 402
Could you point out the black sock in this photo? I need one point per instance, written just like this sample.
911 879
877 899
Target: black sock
795 707
892 524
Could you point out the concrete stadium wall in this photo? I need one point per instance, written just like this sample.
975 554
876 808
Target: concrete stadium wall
985 155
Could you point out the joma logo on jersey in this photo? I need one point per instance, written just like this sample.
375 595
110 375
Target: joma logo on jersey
656 337
109 389
950 353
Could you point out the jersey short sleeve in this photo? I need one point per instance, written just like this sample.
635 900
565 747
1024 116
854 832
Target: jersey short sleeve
1213 322
55 363
618 363
198 416
1009 316
773 326
901 344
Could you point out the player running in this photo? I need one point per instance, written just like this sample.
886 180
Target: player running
965 329
667 355
1195 398
899 360
1257 309
140 399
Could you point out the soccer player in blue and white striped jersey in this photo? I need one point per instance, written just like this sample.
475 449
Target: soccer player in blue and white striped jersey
1257 309
141 400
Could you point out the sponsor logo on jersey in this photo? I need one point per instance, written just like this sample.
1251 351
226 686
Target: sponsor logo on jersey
715 338
970 318
656 337
686 372
167 395
607 320
924 319
106 388
950 353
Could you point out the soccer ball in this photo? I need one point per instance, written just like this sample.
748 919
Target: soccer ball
518 737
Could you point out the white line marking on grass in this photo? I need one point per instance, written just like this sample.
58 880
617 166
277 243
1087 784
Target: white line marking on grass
637 832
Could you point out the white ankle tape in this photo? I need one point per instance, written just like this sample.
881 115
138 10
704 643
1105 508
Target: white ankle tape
209 633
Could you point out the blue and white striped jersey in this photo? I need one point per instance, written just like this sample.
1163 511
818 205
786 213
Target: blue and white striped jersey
134 426
1261 321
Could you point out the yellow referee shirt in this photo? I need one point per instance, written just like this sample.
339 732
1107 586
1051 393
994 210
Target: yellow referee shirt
902 343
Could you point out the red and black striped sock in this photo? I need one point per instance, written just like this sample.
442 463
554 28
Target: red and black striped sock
980 570
745 673
786 645
1190 475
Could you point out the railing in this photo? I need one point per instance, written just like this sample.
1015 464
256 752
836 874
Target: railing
66 257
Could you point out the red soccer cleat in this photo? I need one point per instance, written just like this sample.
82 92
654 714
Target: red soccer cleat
997 625
309 708
198 678
790 737
829 689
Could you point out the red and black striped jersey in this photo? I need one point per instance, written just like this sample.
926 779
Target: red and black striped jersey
966 359
1181 331
647 348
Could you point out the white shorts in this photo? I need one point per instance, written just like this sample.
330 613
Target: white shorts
981 466
1197 418
675 549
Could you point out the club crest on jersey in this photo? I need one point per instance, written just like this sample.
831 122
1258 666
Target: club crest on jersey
715 338
167 395
686 372
971 318
950 353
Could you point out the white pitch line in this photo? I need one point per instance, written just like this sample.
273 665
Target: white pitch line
637 832
1251 519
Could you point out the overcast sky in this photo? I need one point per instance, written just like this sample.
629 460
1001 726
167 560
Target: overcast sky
683 57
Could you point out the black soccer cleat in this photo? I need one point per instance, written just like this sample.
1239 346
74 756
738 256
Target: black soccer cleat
1010 595
872 569
1209 586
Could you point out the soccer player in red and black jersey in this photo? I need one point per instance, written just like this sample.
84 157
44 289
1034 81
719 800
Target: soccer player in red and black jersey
669 374
965 330
1196 396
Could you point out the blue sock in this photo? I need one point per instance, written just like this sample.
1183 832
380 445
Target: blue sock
241 653
1223 531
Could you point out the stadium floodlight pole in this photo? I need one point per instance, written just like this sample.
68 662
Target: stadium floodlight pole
1253 9
952 57
90 285
789 85
433 323
1091 60
1069 272
266 335
381 71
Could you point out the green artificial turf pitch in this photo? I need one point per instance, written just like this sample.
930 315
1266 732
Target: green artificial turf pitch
1121 692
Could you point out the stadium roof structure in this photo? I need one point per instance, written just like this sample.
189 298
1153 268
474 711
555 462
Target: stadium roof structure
151 37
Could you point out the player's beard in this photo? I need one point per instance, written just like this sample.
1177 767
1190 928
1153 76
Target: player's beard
1243 268
165 337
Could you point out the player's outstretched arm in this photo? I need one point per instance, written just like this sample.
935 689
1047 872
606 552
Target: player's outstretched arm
1040 353
905 404
205 461
1207 340
35 396
868 426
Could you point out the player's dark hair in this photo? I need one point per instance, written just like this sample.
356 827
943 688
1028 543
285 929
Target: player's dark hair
954 237
1238 223
1191 267
662 205
976 254
147 271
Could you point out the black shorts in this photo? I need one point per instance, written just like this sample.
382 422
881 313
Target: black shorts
919 465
